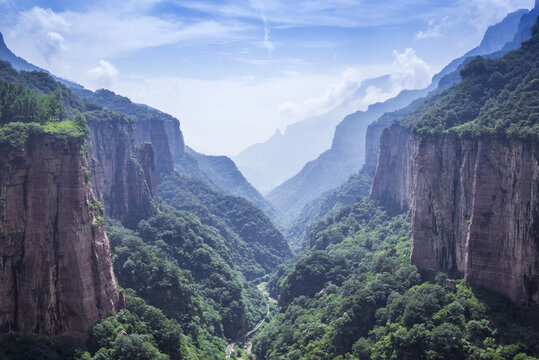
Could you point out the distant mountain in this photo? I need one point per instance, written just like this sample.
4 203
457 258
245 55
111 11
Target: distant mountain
268 164
221 174
347 152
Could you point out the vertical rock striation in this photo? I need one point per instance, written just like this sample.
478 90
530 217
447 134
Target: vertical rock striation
124 179
175 139
474 205
154 132
393 179
56 273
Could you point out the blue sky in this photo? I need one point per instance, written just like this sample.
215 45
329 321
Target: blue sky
233 71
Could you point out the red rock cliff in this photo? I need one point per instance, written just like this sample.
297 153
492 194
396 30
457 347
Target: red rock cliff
474 205
56 270
124 179
154 132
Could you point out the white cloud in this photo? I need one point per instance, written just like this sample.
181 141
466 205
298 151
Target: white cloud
102 75
79 40
266 43
334 96
434 31
51 44
411 72
407 71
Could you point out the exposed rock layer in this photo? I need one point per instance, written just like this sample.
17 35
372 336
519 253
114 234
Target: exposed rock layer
154 132
175 139
56 273
474 205
124 179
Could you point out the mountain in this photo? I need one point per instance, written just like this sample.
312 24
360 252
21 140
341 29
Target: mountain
335 165
268 164
326 205
347 152
221 174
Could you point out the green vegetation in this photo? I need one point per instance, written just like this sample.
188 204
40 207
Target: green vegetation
182 267
141 332
355 295
496 98
326 205
17 103
256 244
221 174
33 103
123 105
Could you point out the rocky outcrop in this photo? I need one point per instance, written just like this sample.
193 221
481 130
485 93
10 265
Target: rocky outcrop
474 206
145 156
175 139
154 132
56 273
123 179
393 181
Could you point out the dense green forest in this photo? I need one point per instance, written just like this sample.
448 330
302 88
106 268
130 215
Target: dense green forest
496 97
355 295
256 243
297 233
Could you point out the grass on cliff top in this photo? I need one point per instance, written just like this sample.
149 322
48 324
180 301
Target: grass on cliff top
13 135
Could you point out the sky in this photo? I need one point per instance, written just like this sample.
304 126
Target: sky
234 71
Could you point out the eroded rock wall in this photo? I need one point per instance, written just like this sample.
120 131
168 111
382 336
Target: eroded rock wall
124 179
474 205
56 273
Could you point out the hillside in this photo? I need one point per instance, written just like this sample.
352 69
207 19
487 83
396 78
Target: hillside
326 205
221 174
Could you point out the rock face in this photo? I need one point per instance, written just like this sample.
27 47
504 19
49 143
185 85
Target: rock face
124 179
474 206
56 270
175 139
393 180
154 132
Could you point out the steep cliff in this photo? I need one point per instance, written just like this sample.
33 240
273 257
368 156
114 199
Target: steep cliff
480 214
474 205
153 126
466 163
56 269
154 132
393 181
175 138
124 179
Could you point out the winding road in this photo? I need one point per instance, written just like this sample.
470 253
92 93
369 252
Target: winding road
248 334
